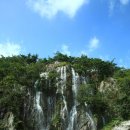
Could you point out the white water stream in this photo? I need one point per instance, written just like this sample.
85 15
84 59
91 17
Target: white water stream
39 111
64 110
73 113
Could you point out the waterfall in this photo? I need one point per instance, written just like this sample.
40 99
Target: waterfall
69 118
73 113
75 78
39 112
64 110
39 117
38 107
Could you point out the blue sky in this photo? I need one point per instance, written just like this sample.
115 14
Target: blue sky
97 28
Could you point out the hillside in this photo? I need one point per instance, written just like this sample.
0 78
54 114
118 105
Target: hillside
62 93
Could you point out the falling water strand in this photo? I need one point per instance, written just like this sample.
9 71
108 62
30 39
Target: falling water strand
39 117
64 110
73 113
39 112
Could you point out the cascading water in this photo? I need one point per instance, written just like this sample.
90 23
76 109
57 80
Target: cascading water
39 112
75 78
64 110
73 113
69 119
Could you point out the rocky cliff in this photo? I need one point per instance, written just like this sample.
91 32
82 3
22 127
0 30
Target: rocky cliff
59 109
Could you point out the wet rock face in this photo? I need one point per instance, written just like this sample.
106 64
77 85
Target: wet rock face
83 123
108 85
9 121
2 112
123 126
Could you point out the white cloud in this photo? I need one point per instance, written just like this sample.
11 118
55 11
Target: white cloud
50 8
83 52
114 5
123 62
93 44
9 49
111 7
124 2
65 50
105 57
